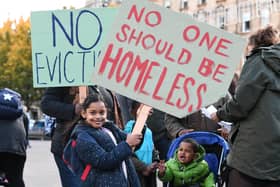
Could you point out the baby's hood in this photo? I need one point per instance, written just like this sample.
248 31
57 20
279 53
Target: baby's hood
200 154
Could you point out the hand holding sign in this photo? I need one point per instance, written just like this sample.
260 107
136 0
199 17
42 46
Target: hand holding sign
142 115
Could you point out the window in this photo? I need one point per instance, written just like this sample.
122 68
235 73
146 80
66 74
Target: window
201 16
276 5
201 2
167 4
184 4
246 22
220 17
264 17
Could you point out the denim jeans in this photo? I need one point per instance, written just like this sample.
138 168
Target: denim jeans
68 179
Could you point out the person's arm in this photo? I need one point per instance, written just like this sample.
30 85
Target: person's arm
91 152
174 126
53 104
250 87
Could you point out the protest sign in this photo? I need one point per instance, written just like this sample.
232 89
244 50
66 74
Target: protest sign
66 45
167 60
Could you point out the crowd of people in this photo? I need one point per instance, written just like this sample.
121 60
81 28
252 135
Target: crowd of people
103 122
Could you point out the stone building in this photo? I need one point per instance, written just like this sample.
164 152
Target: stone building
241 17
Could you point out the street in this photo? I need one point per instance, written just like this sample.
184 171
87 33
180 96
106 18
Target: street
40 169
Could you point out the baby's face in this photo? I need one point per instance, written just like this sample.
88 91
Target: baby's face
185 153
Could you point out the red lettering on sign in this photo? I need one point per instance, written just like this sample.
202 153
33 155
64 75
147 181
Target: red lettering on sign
187 81
147 76
218 71
124 28
148 41
206 66
189 29
141 67
173 88
152 18
167 55
108 59
133 12
201 88
222 45
192 33
206 38
128 57
130 70
159 83
184 53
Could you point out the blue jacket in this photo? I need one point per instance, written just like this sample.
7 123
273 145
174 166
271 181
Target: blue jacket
145 152
95 147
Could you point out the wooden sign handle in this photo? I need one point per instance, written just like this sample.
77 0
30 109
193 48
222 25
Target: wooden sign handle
143 113
83 92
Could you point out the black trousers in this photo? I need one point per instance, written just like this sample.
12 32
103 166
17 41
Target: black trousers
238 179
12 165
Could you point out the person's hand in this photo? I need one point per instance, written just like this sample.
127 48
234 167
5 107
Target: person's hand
185 131
151 111
150 169
224 132
161 168
78 109
133 139
214 117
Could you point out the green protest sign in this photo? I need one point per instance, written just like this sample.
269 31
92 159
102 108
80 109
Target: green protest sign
167 59
66 45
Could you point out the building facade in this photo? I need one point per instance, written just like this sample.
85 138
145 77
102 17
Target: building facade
241 17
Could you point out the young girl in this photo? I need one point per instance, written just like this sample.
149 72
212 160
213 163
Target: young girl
187 167
105 147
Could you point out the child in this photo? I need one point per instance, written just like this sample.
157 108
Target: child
187 167
105 147
145 158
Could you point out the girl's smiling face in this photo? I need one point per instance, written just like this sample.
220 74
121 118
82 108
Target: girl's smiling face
95 114
185 153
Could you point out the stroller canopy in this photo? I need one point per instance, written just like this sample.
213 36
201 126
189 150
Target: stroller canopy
204 138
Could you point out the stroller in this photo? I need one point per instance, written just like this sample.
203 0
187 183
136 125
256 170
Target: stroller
216 149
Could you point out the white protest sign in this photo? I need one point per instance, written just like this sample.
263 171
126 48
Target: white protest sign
167 60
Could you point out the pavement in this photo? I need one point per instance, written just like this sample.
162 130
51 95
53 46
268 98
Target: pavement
40 168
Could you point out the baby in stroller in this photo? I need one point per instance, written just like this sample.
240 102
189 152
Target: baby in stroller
187 166
215 151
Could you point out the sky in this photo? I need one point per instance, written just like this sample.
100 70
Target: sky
13 9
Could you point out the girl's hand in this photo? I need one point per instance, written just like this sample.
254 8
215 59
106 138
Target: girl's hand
161 168
150 169
133 139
